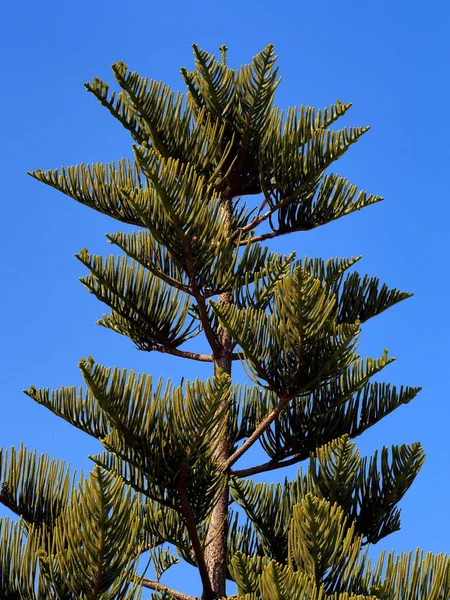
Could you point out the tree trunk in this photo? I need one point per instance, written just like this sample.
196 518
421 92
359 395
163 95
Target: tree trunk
216 539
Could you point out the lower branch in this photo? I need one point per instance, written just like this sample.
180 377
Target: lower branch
160 587
262 237
272 465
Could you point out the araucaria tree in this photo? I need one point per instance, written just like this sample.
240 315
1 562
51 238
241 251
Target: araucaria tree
215 173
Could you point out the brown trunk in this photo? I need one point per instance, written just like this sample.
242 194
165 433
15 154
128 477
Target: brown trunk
216 539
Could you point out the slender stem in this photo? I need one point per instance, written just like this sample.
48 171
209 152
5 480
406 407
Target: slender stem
261 218
272 465
261 428
262 237
160 587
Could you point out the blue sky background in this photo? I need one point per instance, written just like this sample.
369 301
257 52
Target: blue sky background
390 59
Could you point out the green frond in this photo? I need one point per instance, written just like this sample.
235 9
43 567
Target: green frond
330 412
299 344
153 256
373 403
347 401
144 307
293 166
98 186
162 525
382 484
367 493
361 298
182 211
134 476
119 107
165 122
269 508
156 108
246 571
256 285
249 406
328 271
255 87
157 431
162 561
333 197
339 477
69 403
321 543
279 582
412 576
94 542
211 85
334 470
18 562
36 488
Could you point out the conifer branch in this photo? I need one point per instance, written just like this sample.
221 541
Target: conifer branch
184 353
202 309
8 503
160 587
263 236
271 465
261 428
260 219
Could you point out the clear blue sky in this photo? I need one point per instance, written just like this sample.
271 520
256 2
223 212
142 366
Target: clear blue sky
389 58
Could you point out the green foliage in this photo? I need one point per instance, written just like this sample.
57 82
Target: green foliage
169 478
298 344
93 548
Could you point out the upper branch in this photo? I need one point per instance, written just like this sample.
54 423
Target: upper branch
160 587
184 353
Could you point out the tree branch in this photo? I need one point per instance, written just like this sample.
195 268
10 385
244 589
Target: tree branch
268 466
259 219
8 503
264 236
208 330
184 354
192 355
160 587
261 428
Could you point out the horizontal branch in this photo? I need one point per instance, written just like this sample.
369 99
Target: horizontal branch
193 355
160 587
184 353
262 237
272 465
